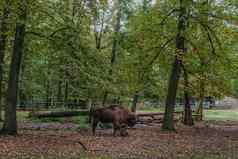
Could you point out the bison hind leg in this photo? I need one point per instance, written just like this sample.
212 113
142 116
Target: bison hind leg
123 130
94 125
116 127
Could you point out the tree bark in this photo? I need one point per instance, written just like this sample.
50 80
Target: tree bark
203 63
66 80
48 101
10 122
168 122
199 110
59 93
3 40
104 101
66 93
188 118
115 39
135 101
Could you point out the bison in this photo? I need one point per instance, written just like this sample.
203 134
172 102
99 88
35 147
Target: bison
118 115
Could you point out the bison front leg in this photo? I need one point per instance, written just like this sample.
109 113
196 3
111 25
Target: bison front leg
116 126
94 125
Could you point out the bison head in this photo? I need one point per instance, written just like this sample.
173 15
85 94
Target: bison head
131 120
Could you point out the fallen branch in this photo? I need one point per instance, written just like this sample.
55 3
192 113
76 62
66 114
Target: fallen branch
45 114
155 114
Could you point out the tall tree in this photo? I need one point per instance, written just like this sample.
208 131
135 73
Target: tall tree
134 102
188 119
3 39
168 123
10 122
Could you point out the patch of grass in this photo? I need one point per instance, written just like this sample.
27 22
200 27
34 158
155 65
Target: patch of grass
79 119
82 121
209 114
221 115
22 115
48 120
151 109
157 109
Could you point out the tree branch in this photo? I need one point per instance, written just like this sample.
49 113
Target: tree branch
168 15
159 52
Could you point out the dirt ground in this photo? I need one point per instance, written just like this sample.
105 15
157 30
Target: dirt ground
216 140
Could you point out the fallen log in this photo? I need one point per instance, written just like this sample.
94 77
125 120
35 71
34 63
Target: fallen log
148 114
156 114
151 117
45 114
149 122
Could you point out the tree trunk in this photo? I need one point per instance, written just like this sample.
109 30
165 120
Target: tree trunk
117 28
199 110
22 98
135 101
3 40
10 123
48 101
59 93
89 103
168 122
104 98
188 118
66 93
203 63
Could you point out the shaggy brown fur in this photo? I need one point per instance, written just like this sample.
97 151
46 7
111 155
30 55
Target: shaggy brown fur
118 115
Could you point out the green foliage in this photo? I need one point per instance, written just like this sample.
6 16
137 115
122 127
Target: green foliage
62 38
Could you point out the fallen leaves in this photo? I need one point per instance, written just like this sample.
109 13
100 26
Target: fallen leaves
48 141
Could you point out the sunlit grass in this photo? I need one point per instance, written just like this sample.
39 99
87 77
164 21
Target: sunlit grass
22 115
209 114
157 109
221 115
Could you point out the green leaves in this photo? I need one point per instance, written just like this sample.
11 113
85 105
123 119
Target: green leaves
77 36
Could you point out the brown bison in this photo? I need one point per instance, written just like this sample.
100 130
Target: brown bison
118 115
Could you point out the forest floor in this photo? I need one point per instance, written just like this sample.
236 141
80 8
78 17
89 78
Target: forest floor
205 140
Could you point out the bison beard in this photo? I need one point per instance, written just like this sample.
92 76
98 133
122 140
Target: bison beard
118 115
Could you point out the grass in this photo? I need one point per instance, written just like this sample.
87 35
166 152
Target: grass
209 114
82 121
221 115
157 109
22 115
151 109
